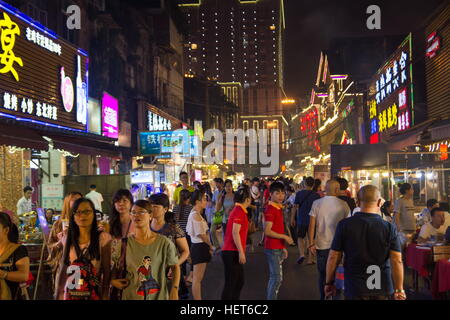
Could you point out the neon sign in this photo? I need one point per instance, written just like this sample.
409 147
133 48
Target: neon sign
110 116
308 126
9 31
50 101
390 100
434 44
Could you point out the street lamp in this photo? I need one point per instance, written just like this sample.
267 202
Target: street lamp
288 101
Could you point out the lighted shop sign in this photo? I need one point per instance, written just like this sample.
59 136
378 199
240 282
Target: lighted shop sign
67 92
390 101
8 59
166 142
309 127
43 41
38 81
110 116
158 123
28 106
434 44
391 80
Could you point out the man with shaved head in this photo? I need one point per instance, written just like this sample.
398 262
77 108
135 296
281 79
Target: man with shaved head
324 216
372 253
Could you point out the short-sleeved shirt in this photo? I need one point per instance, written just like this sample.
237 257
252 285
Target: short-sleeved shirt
176 193
195 228
405 207
238 216
274 214
9 265
304 199
24 206
366 240
182 217
172 231
427 231
96 198
148 281
328 211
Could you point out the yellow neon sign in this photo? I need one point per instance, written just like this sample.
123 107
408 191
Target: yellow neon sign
9 30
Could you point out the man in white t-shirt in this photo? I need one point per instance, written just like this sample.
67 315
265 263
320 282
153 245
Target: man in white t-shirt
431 229
95 197
24 205
325 215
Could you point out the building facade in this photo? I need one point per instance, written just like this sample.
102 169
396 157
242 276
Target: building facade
238 41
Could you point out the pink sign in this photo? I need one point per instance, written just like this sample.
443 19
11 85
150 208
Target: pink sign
110 116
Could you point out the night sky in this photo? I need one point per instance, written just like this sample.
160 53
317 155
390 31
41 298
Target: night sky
310 24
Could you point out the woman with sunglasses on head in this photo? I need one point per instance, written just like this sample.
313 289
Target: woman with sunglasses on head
85 262
140 269
201 249
14 261
59 229
233 251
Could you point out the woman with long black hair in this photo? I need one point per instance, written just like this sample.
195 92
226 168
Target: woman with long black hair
14 261
120 222
85 257
201 249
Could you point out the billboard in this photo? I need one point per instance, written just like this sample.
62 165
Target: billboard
165 143
43 78
390 98
110 116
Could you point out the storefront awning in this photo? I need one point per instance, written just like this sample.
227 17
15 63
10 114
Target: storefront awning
357 156
85 146
22 138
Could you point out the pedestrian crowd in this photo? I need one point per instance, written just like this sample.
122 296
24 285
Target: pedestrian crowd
155 249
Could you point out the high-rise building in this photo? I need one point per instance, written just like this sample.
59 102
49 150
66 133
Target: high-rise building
238 41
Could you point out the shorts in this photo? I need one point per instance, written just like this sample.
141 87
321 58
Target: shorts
200 253
302 230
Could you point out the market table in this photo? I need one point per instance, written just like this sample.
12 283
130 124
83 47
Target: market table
419 259
441 279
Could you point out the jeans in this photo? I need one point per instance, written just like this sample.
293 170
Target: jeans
256 215
234 275
275 259
322 258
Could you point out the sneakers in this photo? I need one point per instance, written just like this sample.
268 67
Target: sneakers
300 260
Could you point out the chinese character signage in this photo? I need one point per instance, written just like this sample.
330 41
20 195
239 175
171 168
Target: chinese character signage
158 123
43 78
110 116
390 103
433 45
309 127
167 142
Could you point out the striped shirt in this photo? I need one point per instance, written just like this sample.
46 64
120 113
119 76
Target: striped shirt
182 221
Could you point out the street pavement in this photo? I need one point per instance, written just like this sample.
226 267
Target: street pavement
299 281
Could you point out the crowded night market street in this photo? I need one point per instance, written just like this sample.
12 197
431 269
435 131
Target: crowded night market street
224 150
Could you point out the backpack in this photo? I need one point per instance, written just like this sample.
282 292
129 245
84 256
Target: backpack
89 283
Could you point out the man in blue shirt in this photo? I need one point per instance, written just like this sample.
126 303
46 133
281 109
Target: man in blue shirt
372 253
300 216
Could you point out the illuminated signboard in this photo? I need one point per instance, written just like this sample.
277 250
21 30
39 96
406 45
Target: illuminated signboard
166 142
390 100
43 79
433 45
309 127
158 123
110 116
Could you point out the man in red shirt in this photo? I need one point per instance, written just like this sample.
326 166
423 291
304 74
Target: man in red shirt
275 238
233 251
